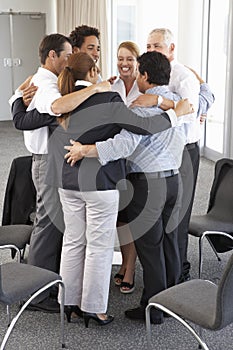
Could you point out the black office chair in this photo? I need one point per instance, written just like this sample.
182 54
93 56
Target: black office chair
20 195
20 282
19 205
199 301
18 235
217 224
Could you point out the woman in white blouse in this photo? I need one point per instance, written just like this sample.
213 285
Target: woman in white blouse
125 84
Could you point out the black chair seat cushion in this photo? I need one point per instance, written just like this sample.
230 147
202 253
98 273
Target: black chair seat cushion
18 281
194 300
18 235
201 223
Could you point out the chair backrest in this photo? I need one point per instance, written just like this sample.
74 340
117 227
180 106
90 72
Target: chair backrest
221 203
224 305
221 195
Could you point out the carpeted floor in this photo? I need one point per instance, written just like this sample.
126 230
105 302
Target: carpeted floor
40 331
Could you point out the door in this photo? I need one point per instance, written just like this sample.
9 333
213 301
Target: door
5 67
19 58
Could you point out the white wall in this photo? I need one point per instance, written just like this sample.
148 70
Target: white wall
155 14
182 17
44 6
190 33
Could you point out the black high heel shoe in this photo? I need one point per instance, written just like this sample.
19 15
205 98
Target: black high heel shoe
88 315
69 309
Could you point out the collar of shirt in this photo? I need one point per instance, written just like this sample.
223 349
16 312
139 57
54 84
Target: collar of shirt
119 86
158 90
44 73
83 83
173 63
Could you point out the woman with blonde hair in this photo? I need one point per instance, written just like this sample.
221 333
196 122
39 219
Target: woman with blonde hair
126 86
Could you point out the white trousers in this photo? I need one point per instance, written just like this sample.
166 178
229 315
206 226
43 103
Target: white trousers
88 245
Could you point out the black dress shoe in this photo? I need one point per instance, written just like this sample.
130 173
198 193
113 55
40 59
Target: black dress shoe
47 305
184 278
138 313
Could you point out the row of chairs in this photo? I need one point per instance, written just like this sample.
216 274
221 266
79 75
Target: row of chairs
21 282
202 302
216 225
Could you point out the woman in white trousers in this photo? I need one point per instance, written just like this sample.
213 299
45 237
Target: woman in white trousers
87 252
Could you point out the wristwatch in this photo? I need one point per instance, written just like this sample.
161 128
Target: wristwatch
160 101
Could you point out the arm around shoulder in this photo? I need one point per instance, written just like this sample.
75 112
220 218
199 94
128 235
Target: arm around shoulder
69 102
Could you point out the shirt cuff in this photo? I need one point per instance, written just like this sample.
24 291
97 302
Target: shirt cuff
18 93
100 146
173 117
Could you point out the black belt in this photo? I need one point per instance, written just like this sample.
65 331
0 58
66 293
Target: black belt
191 145
156 175
39 156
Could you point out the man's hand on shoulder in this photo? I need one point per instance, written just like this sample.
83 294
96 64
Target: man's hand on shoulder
28 94
112 79
183 107
103 86
26 83
145 100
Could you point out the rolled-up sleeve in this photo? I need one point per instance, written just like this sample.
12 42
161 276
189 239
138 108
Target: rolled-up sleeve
121 146
45 97
206 99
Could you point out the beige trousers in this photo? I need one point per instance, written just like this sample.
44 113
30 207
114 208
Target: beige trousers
88 245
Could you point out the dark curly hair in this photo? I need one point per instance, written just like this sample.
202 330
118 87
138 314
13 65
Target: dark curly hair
157 66
77 36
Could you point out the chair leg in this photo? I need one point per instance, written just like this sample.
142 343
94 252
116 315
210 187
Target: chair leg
148 327
200 257
201 239
8 311
15 319
206 235
22 253
213 248
178 318
62 314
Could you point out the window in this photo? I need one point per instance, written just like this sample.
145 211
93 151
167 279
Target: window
123 26
217 73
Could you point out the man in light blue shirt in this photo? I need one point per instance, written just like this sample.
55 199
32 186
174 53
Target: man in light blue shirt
187 85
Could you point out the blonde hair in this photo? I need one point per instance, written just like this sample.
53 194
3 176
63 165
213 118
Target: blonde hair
131 46
79 64
168 37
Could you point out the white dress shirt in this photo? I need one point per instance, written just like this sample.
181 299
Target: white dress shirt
119 86
184 83
36 140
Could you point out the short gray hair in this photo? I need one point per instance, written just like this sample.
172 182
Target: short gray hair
166 33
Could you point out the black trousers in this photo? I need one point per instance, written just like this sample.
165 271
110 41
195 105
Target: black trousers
153 215
188 172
